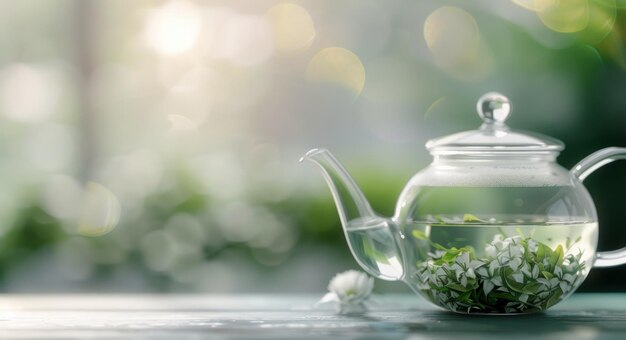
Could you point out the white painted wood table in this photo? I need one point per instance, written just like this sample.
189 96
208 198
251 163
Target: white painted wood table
583 316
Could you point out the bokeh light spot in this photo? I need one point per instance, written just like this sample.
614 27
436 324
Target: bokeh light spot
100 211
173 28
566 16
452 35
292 26
27 94
339 66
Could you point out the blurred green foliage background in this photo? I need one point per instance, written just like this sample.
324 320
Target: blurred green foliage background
152 146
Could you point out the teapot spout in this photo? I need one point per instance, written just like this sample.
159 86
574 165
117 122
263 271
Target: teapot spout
373 240
350 201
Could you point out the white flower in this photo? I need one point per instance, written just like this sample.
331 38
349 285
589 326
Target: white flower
491 250
463 259
491 276
463 269
558 271
351 287
499 243
571 263
565 287
497 238
550 284
533 246
523 297
534 274
515 263
518 277
569 278
516 250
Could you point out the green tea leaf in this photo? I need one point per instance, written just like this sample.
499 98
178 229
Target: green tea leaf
418 234
471 218
449 256
557 256
531 288
458 287
439 246
547 275
510 281
554 298
541 254
543 251
503 296
465 297
440 219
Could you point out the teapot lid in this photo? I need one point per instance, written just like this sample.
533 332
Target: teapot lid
493 135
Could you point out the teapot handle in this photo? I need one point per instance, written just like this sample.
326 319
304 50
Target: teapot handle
583 169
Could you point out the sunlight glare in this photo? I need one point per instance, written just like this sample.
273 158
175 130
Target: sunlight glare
173 28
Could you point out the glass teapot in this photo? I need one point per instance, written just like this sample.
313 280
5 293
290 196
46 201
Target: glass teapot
492 225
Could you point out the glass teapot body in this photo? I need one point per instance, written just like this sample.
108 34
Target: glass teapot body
480 235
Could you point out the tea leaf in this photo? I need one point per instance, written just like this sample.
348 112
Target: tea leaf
418 234
543 251
471 218
466 296
531 288
458 287
450 256
510 281
439 247
554 298
557 256
504 296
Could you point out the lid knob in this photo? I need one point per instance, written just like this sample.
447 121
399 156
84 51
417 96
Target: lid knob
493 107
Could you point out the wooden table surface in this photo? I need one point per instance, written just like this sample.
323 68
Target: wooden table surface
582 316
